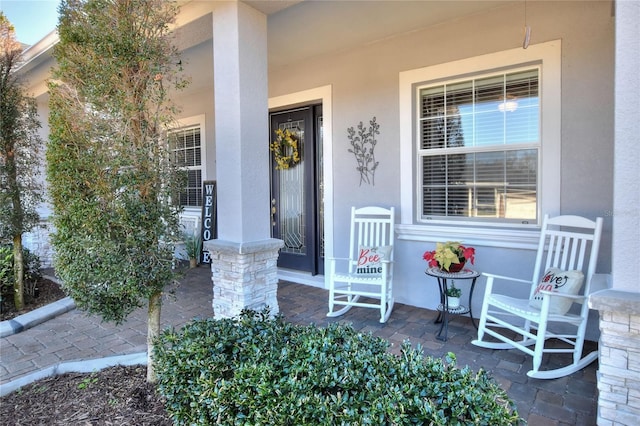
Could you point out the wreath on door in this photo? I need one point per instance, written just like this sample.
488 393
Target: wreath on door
285 149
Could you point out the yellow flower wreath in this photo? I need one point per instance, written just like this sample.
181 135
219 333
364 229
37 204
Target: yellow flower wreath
285 149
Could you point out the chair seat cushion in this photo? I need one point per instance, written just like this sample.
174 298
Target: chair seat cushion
557 281
370 260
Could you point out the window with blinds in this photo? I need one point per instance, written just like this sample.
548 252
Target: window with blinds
187 154
479 147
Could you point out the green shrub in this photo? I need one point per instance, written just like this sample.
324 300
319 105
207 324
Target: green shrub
31 273
257 370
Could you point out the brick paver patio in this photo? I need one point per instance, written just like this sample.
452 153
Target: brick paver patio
570 400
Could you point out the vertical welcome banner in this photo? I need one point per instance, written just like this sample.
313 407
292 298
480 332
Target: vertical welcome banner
209 217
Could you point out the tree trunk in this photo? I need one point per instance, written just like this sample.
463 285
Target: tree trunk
153 330
18 273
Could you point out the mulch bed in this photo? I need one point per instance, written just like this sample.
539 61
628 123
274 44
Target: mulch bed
114 396
48 292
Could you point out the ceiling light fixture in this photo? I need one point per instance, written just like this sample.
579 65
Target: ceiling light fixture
508 104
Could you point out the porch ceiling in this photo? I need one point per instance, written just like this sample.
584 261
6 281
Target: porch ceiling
302 29
298 30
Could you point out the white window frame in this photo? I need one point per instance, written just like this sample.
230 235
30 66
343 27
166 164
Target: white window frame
185 123
545 55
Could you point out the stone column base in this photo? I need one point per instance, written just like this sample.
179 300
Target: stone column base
619 361
244 275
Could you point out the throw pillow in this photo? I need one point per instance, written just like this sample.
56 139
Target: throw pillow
370 259
557 281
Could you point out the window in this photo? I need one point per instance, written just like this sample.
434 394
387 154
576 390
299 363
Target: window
186 150
478 147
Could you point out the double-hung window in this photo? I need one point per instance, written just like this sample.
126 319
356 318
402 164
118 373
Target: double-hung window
186 152
479 145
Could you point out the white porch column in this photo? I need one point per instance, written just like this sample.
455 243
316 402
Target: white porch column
244 270
619 345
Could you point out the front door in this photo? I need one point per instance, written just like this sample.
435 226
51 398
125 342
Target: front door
296 192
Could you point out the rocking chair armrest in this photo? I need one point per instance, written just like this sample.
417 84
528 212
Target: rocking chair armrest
503 277
488 290
337 263
575 297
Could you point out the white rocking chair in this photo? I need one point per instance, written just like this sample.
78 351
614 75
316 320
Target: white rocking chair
570 244
368 271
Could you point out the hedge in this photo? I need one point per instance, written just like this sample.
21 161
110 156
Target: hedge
261 370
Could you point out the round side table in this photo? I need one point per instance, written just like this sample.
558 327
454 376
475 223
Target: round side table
443 309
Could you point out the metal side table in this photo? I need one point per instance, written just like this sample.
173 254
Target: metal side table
443 309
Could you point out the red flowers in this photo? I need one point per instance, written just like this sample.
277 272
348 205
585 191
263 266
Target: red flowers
429 256
469 253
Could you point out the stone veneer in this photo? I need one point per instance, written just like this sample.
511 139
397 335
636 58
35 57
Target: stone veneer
38 242
244 275
619 358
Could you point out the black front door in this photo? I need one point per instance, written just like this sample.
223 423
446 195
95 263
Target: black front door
296 192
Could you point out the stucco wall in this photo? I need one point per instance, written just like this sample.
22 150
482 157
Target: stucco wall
197 104
365 84
626 275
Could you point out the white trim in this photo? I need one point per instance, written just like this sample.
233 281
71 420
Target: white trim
300 277
513 238
548 55
323 94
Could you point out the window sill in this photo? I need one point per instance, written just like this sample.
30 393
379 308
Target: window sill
487 237
192 209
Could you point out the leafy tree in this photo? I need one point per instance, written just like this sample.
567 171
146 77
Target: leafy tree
19 156
109 169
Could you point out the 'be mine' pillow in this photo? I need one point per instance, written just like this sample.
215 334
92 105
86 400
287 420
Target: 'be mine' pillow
558 281
370 260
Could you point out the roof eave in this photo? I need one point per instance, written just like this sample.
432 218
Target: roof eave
36 53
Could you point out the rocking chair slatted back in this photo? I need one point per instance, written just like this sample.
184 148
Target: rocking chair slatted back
371 226
372 230
567 249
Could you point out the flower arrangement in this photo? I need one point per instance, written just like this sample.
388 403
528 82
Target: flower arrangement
285 149
448 253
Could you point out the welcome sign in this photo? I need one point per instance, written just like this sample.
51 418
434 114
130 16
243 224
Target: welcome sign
209 217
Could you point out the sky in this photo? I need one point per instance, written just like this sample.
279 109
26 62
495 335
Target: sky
32 19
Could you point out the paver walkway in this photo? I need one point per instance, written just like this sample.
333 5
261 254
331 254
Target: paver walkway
570 400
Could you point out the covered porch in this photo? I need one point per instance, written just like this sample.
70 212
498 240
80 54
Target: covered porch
571 400
247 57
